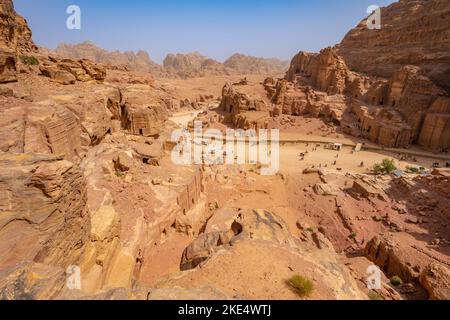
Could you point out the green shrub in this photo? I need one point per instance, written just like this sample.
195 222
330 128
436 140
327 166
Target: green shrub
412 169
29 60
387 166
120 174
373 295
396 281
302 285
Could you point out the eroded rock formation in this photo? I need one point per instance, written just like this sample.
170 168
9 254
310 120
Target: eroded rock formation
412 33
325 71
139 61
234 236
43 210
15 39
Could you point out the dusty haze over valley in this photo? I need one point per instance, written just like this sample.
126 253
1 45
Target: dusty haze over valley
353 202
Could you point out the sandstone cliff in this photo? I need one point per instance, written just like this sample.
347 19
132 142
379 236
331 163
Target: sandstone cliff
325 71
15 39
14 31
412 33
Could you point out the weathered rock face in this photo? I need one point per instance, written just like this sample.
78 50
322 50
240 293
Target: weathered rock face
291 99
8 70
381 125
325 71
15 39
64 124
412 93
412 33
245 110
436 279
390 259
144 111
67 71
43 210
407 109
14 31
235 102
435 131
31 281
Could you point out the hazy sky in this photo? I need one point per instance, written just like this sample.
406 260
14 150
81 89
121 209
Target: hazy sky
266 28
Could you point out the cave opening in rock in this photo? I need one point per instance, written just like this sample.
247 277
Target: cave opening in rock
236 228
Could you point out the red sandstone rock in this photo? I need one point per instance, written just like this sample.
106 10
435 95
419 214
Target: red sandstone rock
412 33
325 71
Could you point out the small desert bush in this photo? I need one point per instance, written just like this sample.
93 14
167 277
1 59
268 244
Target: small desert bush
396 281
302 285
29 60
120 174
373 295
353 235
410 169
387 166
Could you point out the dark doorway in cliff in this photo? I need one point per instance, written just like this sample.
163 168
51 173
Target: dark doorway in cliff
141 132
236 228
394 103
145 160
9 67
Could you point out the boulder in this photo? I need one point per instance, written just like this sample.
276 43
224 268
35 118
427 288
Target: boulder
436 280
58 75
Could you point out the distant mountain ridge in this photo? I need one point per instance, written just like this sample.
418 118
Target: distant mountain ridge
182 65
136 61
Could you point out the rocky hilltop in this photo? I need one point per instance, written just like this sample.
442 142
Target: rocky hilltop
15 33
192 65
135 61
254 65
15 39
413 32
197 64
174 65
